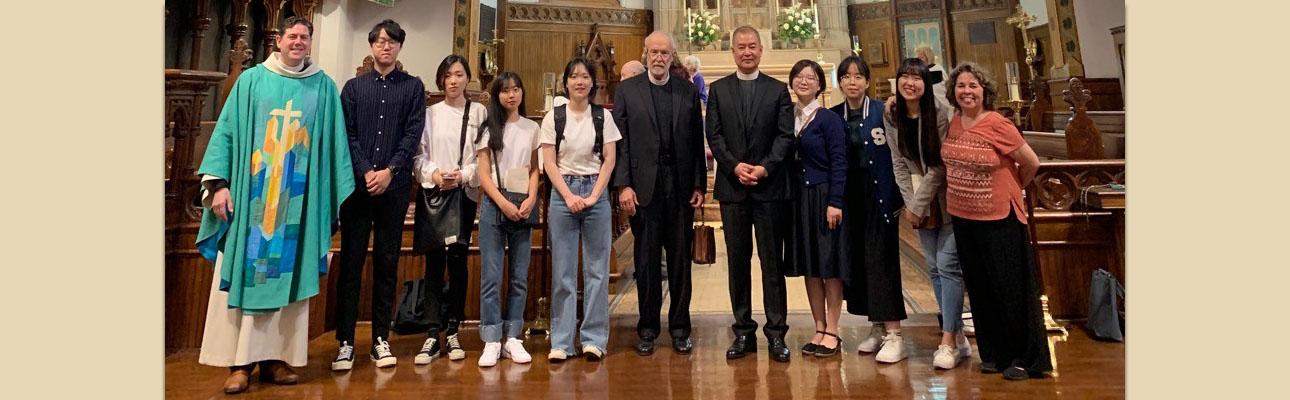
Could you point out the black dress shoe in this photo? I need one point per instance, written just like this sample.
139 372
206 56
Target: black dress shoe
742 346
779 350
989 368
645 346
682 345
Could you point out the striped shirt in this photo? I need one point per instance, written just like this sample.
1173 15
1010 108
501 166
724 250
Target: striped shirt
384 116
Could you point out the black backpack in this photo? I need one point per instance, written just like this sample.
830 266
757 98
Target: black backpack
597 120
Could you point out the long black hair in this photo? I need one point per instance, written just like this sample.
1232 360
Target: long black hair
929 153
497 115
591 71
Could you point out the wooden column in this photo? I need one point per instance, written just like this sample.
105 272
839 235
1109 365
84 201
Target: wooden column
201 22
186 92
272 13
238 26
304 8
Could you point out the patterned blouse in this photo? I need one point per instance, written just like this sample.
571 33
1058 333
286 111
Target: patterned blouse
983 182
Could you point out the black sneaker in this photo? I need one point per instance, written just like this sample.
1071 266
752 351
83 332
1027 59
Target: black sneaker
1015 374
429 350
381 354
344 358
455 352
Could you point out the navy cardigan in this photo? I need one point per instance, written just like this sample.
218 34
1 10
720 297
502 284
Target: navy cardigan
822 155
872 140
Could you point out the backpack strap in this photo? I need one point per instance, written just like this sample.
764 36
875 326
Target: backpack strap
598 121
559 127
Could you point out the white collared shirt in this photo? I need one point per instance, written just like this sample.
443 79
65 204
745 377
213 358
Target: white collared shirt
666 77
803 115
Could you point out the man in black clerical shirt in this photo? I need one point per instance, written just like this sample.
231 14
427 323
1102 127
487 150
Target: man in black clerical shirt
661 176
750 131
384 114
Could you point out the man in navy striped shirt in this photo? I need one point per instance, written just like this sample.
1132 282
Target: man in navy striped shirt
384 114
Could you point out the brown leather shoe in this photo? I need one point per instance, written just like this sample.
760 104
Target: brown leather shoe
277 372
238 379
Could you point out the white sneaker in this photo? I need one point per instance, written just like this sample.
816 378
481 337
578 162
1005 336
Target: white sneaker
874 341
381 354
964 347
491 351
429 350
592 353
514 350
557 355
455 352
893 348
344 358
945 357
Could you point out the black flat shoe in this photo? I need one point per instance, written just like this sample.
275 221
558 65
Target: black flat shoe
822 352
809 348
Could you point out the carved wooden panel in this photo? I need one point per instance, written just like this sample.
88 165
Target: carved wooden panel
578 15
870 10
914 7
1071 240
969 5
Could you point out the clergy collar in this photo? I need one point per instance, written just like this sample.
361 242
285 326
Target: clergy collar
748 77
666 77
307 68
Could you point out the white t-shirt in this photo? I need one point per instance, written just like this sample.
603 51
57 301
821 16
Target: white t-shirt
576 156
519 139
441 145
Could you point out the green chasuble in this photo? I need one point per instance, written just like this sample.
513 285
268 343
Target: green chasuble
280 142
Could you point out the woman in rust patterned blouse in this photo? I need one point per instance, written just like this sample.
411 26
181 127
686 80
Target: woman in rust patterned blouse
987 162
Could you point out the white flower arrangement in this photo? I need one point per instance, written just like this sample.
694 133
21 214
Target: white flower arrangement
702 28
797 24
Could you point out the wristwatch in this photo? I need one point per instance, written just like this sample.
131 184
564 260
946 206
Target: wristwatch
394 169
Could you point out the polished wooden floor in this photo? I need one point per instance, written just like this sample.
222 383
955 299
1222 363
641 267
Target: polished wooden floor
1087 369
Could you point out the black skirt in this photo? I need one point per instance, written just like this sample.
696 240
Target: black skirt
875 289
999 272
814 250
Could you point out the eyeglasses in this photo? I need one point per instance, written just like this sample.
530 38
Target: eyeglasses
383 43
808 78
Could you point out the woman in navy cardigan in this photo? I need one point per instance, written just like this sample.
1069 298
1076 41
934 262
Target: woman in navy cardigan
873 208
818 248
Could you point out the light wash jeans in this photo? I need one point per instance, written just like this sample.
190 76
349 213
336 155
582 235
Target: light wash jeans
947 277
494 238
565 228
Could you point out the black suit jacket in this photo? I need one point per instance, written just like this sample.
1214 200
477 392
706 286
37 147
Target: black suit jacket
762 137
636 117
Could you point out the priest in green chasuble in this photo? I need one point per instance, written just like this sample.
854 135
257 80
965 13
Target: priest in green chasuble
274 175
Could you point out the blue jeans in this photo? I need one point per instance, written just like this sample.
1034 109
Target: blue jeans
565 228
947 277
494 238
